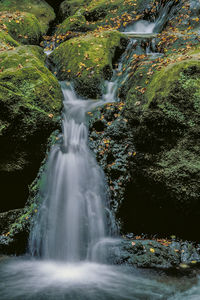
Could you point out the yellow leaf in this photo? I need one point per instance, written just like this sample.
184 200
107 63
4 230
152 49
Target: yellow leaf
152 250
193 262
184 266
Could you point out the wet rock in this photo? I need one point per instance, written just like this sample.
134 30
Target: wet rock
40 9
22 26
7 219
110 14
7 42
76 23
87 60
30 104
14 231
160 254
153 181
69 8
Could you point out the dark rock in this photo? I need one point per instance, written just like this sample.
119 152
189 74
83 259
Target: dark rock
30 104
153 254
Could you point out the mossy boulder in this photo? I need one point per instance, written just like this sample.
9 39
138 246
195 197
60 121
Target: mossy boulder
40 9
22 26
166 138
7 42
30 103
152 159
69 7
76 23
115 13
88 60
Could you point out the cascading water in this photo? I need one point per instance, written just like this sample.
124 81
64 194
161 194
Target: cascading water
72 220
72 217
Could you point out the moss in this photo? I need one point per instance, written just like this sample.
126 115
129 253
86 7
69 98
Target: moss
101 13
87 60
70 7
6 41
114 13
30 104
23 27
165 128
76 23
42 10
163 81
24 73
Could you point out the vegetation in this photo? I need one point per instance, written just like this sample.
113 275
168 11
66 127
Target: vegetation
88 60
40 9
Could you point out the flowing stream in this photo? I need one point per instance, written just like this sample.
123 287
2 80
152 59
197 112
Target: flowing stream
72 217
67 259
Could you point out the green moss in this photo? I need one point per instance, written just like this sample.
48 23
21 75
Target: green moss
23 27
30 104
115 12
87 60
76 23
42 10
24 73
101 13
163 81
6 41
70 7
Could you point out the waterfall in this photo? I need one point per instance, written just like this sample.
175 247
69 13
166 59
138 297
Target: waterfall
72 217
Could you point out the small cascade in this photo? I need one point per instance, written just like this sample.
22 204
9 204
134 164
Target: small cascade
144 32
72 217
141 27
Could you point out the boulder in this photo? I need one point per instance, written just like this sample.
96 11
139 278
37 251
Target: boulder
76 23
152 159
40 9
69 7
7 42
22 26
159 254
30 104
88 60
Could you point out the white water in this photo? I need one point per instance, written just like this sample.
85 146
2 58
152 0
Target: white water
72 217
49 280
143 27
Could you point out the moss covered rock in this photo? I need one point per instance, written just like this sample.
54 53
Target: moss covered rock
23 27
40 9
97 14
152 159
115 13
87 60
76 23
6 41
30 103
70 7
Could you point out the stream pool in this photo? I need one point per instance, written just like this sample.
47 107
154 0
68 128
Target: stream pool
26 278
